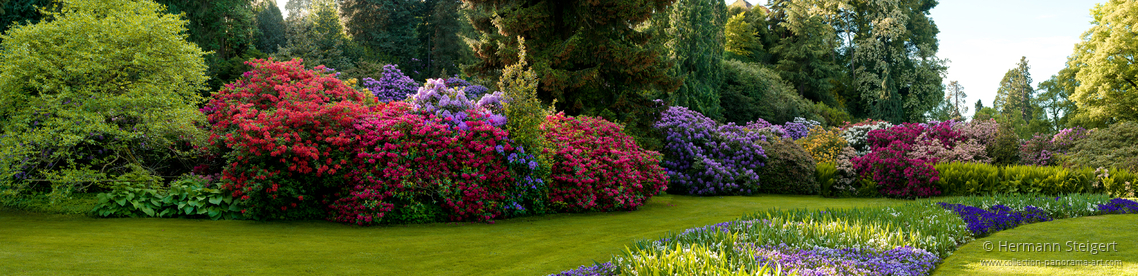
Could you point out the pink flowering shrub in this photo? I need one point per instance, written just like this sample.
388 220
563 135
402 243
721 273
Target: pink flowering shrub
285 131
420 163
599 168
896 173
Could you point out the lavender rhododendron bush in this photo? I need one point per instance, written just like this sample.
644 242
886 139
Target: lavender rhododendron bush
704 158
596 167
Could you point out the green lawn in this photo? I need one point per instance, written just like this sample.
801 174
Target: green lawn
1109 228
34 244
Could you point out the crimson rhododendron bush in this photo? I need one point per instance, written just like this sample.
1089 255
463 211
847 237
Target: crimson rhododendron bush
286 134
599 168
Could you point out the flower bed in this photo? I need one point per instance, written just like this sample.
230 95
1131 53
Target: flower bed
910 239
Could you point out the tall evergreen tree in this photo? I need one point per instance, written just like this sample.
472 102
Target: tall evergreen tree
271 27
804 52
589 55
385 28
442 47
1015 94
224 27
694 42
317 36
894 71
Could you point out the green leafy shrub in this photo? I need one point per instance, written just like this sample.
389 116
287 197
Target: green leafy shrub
1004 149
1115 146
789 169
188 197
102 88
751 91
959 178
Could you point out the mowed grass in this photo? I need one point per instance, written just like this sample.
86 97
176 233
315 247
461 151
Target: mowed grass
39 244
968 259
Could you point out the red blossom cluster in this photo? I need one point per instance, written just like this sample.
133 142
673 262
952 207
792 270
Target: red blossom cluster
284 129
599 168
422 157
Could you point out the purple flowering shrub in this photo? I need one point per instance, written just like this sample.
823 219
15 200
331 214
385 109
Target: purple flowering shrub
392 86
999 217
703 158
454 108
848 261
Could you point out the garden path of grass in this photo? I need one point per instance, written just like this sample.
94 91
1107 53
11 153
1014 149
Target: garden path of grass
36 244
969 259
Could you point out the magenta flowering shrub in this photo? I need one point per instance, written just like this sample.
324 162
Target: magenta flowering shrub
421 163
392 86
896 173
1037 151
1066 138
596 167
706 159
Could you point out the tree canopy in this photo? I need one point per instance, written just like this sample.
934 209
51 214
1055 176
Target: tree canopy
1107 69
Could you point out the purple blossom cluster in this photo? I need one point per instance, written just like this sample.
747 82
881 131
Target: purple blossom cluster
704 158
392 86
999 217
453 107
848 261
799 128
601 269
472 91
1119 206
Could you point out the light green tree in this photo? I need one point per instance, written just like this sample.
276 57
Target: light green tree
106 88
1107 64
741 37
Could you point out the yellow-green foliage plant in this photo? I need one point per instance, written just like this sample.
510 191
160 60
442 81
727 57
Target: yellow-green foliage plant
961 179
525 113
718 259
823 144
1051 180
103 87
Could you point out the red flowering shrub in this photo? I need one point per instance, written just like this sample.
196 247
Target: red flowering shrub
418 167
599 168
896 174
283 129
